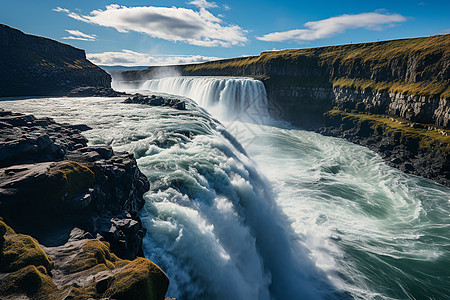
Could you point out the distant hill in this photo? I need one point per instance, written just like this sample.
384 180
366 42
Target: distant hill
110 69
38 66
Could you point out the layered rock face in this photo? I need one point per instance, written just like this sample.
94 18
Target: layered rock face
37 66
408 80
404 78
82 203
410 147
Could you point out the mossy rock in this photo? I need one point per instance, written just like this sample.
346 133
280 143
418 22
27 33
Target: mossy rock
5 229
70 177
29 281
18 251
140 279
94 253
406 132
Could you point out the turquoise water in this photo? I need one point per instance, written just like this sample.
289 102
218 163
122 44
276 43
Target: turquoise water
285 213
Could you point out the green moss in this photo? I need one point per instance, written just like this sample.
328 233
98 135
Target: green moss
94 253
140 279
22 250
431 88
427 135
5 229
71 178
28 281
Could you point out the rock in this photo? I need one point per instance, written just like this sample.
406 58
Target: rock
158 100
414 152
80 127
82 268
69 194
22 70
90 91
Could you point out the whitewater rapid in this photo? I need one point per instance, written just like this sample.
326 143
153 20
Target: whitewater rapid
248 208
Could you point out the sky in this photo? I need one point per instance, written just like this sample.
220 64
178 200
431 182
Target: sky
143 33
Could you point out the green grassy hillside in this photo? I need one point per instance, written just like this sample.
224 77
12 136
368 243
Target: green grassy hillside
418 66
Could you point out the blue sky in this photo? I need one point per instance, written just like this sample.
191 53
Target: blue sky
168 32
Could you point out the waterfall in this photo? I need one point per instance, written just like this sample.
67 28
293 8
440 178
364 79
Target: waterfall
229 98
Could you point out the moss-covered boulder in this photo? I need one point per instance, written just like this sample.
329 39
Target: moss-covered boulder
28 281
24 267
139 279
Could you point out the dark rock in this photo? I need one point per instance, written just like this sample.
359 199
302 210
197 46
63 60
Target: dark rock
34 195
24 74
400 151
80 127
158 100
90 91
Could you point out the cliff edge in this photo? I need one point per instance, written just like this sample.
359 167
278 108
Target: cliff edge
69 224
391 96
37 66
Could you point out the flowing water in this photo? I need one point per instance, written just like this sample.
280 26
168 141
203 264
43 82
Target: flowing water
256 209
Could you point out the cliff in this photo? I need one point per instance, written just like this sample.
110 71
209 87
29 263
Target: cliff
409 78
37 66
73 211
391 96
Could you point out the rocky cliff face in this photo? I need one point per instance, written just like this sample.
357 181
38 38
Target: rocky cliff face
408 80
38 66
404 78
82 203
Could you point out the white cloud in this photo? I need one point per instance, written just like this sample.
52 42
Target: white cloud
203 4
199 28
78 35
130 58
332 26
59 9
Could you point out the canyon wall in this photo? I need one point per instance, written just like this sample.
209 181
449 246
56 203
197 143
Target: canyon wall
37 66
391 96
406 78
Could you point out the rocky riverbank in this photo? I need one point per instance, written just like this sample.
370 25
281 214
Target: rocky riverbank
76 208
411 147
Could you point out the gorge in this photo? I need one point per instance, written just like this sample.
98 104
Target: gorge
404 81
242 203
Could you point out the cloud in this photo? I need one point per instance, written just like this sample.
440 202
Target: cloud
199 28
131 58
335 25
78 35
203 4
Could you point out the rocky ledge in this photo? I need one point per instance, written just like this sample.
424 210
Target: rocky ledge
80 204
414 148
91 91
158 100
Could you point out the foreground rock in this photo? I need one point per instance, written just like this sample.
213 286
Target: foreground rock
56 188
83 268
158 100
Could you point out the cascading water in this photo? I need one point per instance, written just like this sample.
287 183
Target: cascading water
215 228
228 98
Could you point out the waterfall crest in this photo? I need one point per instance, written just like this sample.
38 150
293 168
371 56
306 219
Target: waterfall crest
229 98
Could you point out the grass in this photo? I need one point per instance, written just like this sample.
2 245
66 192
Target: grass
432 88
378 66
427 136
